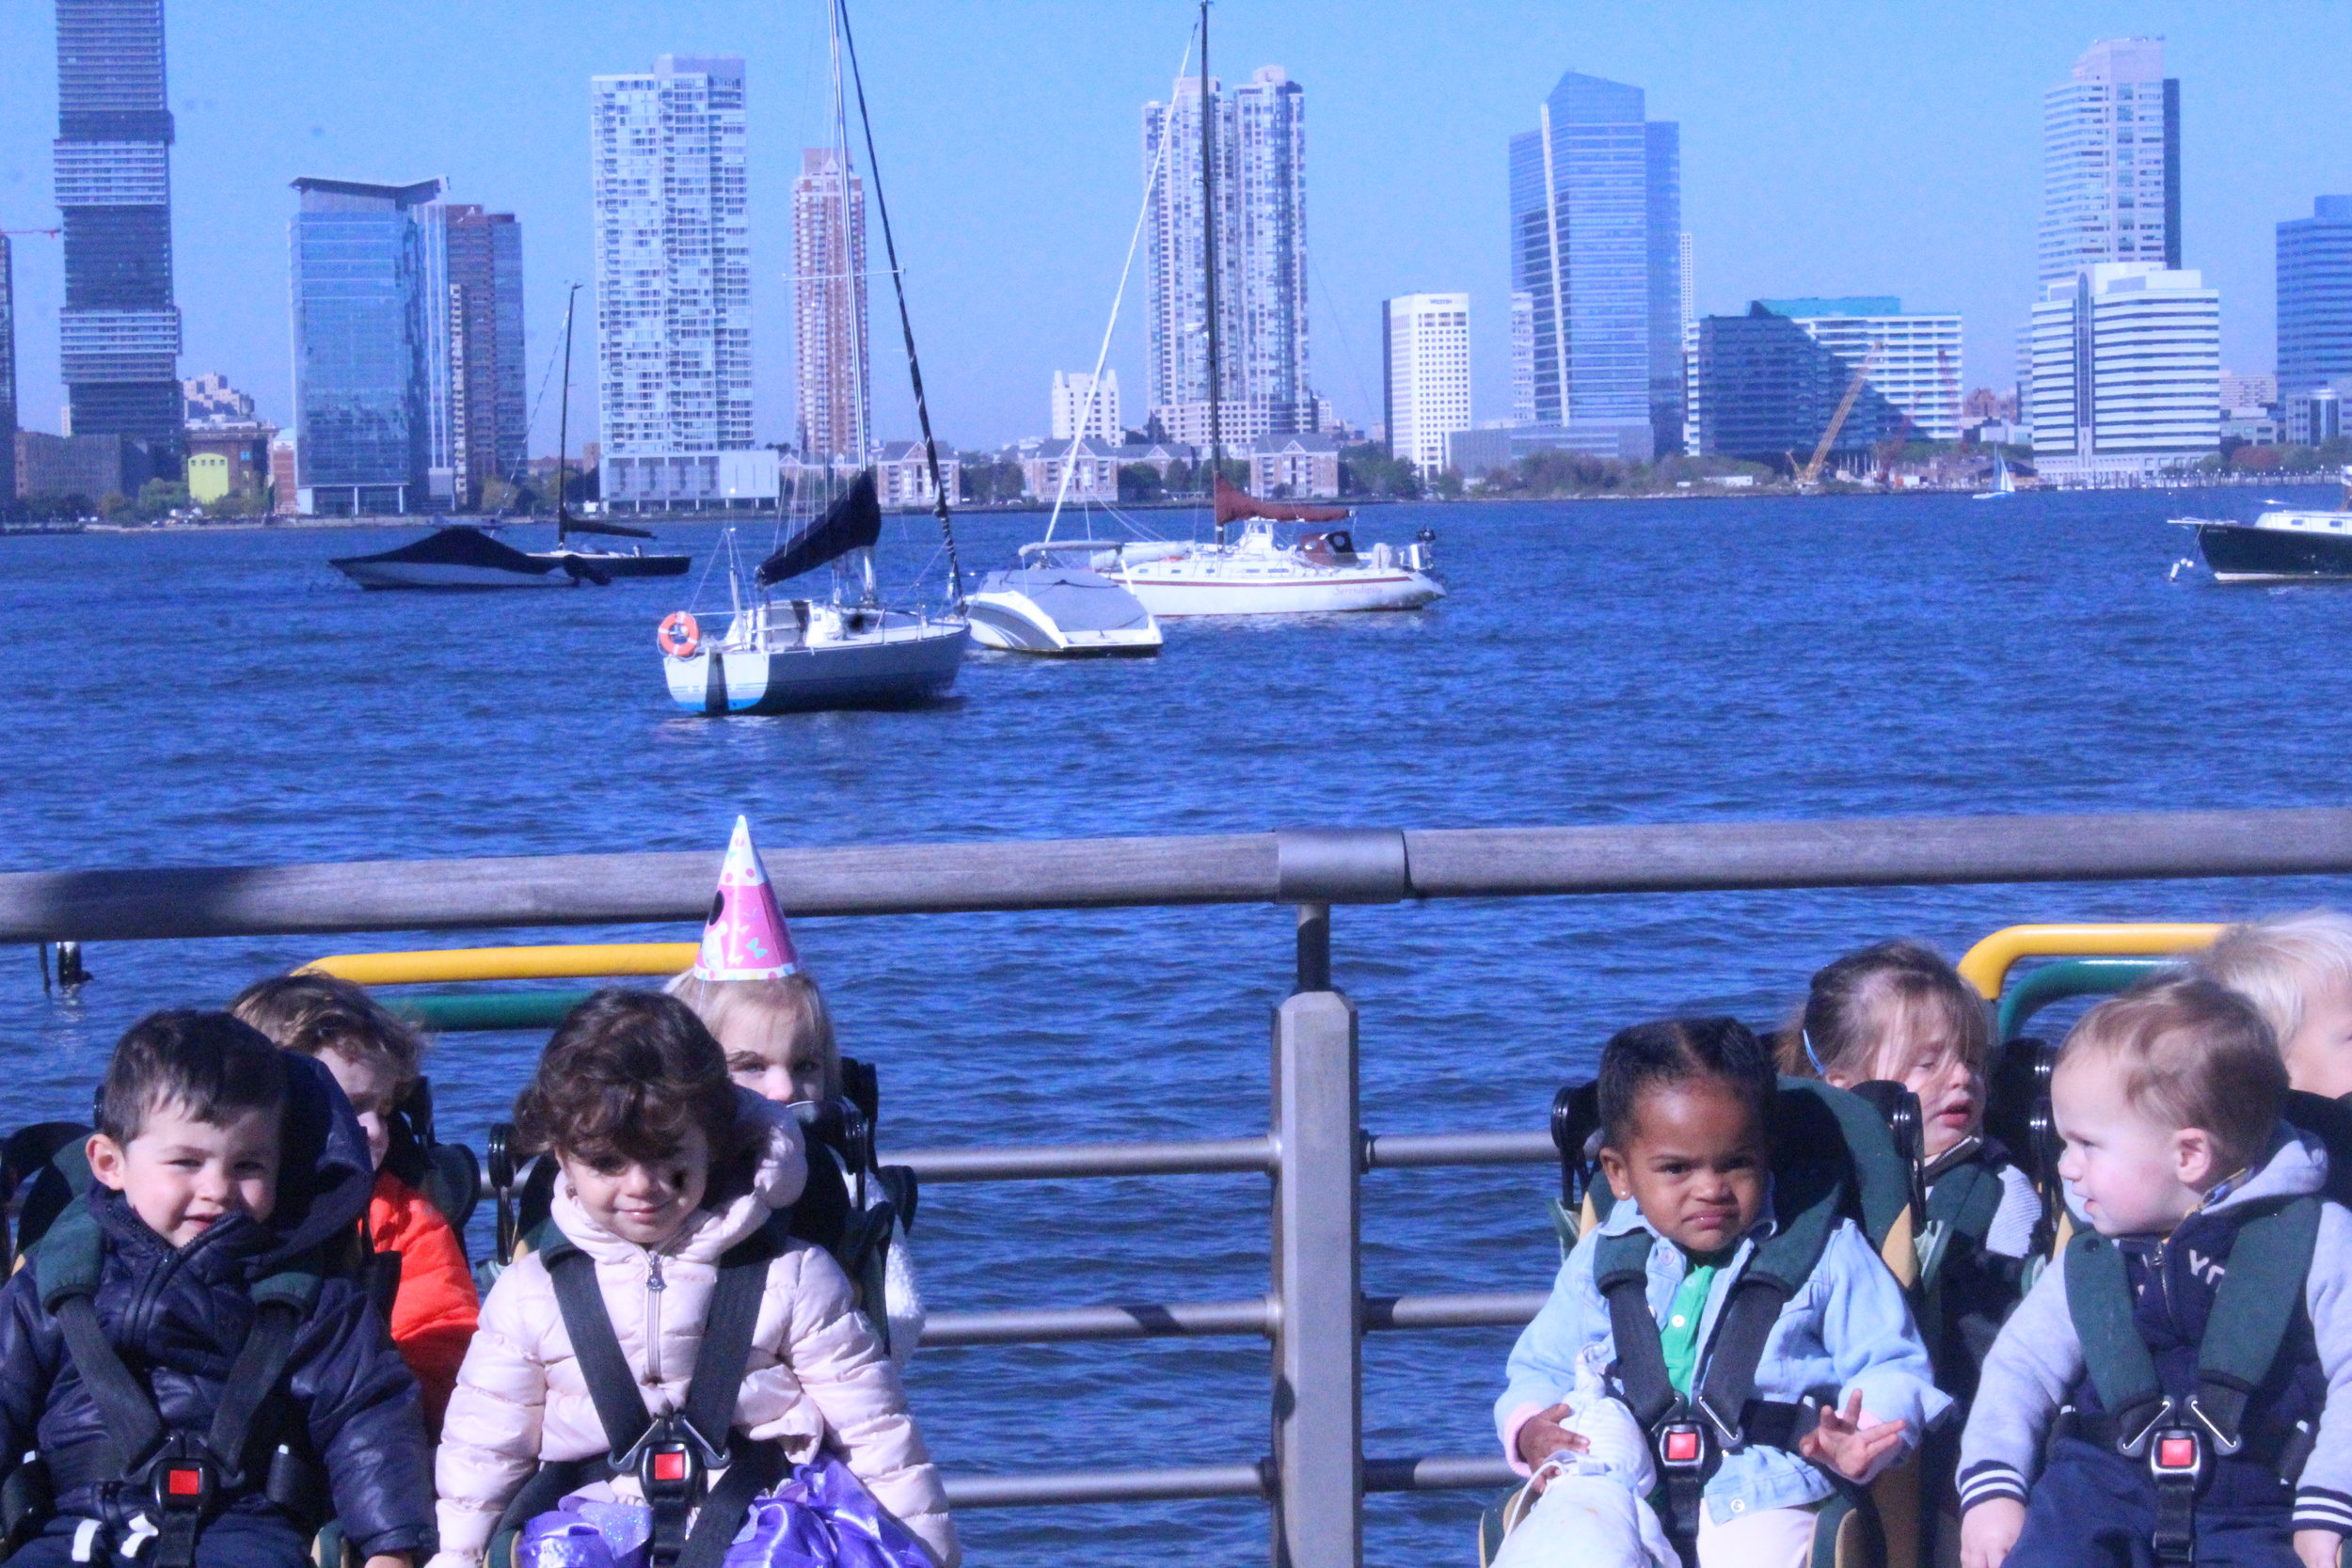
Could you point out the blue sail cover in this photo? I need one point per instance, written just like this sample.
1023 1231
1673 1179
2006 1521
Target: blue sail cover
852 523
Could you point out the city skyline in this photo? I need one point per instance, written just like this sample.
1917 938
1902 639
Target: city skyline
1916 174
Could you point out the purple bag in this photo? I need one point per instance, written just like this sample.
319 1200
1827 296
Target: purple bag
580 1533
823 1517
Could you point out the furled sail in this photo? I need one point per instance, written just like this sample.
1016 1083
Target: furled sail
1232 506
852 523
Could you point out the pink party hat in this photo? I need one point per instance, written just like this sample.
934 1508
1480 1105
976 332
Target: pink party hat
746 938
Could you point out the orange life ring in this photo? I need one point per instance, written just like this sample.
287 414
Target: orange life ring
679 636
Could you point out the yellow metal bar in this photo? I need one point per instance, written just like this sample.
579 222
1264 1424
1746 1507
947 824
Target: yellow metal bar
589 960
1987 965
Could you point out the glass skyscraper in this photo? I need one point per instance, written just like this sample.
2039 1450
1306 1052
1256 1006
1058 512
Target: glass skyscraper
2315 296
2111 162
119 333
363 381
473 306
1596 243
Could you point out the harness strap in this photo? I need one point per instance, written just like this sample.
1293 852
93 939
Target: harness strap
756 1468
2099 1300
610 1385
2251 1312
1729 1389
1621 1273
726 1346
133 1426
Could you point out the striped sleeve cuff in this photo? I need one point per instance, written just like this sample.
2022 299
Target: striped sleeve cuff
1984 1482
2318 1507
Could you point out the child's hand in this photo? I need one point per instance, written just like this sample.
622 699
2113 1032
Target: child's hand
1542 1436
1845 1445
1987 1531
2318 1548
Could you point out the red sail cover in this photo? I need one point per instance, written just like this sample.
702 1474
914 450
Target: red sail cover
1232 506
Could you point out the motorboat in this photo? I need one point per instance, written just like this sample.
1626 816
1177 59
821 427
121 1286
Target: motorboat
1059 608
2003 483
462 557
633 562
2282 545
605 563
802 655
1257 574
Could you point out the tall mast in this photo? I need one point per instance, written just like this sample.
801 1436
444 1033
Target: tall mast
564 420
1208 251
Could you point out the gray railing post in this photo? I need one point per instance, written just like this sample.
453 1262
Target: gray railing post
1318 1362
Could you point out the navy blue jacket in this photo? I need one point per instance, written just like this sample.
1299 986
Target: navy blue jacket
176 1317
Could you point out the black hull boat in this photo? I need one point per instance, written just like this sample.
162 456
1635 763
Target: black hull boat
460 559
614 563
2279 547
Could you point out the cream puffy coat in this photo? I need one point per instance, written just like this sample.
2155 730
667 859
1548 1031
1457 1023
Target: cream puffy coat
816 1370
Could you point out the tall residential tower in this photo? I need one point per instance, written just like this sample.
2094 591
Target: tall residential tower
2315 297
674 290
120 332
2111 162
475 315
829 309
1596 241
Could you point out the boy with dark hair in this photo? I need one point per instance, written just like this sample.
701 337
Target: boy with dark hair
198 1383
2179 1376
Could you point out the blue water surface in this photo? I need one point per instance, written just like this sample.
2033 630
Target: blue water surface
192 699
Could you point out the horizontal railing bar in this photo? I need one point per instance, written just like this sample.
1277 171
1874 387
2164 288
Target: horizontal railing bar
1041 1162
1042 1488
1408 1150
1230 869
1044 1325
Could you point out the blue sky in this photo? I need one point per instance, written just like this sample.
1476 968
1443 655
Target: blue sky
1834 147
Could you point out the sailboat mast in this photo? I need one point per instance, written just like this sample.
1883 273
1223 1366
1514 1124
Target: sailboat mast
1208 252
563 418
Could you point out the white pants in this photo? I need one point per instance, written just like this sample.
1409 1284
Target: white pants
1594 1522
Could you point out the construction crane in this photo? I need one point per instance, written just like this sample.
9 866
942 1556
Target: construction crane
1891 450
1812 474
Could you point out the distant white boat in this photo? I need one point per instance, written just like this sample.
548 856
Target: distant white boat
1059 609
2002 483
1257 575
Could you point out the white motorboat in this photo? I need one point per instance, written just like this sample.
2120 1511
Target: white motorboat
1059 609
2002 483
1259 575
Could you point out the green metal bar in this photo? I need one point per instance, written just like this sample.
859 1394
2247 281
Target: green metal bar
2070 978
457 1010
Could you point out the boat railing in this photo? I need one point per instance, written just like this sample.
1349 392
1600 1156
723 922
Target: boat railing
1314 1150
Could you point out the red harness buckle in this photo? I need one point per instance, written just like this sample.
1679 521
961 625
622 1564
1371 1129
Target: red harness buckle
1681 1446
2177 1454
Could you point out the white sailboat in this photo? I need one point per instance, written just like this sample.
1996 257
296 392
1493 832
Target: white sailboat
2002 483
786 655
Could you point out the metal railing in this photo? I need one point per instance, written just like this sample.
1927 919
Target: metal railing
1314 1150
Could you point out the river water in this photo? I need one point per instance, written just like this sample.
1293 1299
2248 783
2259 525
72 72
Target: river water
226 699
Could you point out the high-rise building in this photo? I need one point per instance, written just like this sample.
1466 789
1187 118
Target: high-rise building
7 378
474 334
362 342
673 293
2126 373
1769 382
2315 295
1597 240
1522 356
1425 376
2111 162
119 333
1073 418
835 384
1259 133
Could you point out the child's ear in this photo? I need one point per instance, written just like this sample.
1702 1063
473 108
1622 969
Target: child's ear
2195 1160
1612 1165
106 1160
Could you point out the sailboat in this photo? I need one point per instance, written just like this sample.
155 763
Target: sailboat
848 650
2002 483
594 564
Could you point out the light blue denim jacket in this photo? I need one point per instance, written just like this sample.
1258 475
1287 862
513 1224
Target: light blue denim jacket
1847 1328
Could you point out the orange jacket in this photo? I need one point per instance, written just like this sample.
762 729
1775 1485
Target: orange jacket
435 1313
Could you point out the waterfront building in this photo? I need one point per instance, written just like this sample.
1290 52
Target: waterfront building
2314 297
1596 241
118 334
89 467
829 311
228 457
1302 464
363 381
1071 389
1259 139
674 298
208 399
1425 376
1522 356
474 334
2127 373
1769 382
902 474
2240 391
285 474
7 377
2312 414
2111 162
1093 465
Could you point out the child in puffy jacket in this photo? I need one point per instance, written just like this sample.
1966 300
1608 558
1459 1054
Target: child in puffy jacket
665 1166
222 1172
375 1059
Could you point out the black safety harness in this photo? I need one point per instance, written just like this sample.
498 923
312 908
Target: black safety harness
1963 1197
673 1456
177 1481
1689 1437
2253 1307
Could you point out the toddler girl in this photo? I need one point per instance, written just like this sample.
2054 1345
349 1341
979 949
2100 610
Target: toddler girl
1686 1108
748 989
375 1059
665 1167
2296 970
